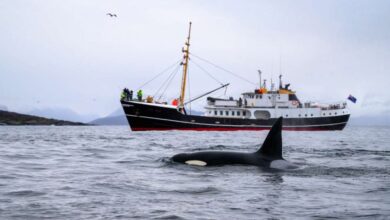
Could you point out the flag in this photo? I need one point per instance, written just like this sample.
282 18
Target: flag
352 98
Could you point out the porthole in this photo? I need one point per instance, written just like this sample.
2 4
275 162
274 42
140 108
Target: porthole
323 114
311 115
305 115
286 116
335 113
330 113
299 115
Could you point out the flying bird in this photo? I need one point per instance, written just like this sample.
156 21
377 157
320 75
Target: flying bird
111 15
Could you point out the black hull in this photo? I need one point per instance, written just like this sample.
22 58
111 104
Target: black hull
144 117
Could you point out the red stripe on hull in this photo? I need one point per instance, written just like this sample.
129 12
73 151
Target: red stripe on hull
230 129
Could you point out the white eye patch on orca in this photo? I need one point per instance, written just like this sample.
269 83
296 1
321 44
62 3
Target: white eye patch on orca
196 162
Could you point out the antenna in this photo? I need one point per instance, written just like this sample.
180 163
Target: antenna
280 63
259 76
280 81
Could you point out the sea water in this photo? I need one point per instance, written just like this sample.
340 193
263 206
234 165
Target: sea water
97 172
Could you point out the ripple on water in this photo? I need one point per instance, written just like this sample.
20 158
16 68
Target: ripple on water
108 172
25 193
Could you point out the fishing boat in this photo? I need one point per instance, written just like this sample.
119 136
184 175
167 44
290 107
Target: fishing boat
254 110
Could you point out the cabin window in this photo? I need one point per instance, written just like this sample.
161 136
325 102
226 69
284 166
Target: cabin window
299 115
261 96
286 116
305 115
335 113
330 113
238 113
232 113
210 112
227 113
220 112
269 97
244 113
311 115
323 114
215 112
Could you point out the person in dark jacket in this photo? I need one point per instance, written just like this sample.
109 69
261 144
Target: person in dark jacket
131 95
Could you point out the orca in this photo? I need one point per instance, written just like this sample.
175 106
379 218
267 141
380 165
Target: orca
269 155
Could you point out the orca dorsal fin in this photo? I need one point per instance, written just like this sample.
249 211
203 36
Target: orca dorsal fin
272 145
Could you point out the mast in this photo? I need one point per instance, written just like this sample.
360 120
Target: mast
260 77
185 68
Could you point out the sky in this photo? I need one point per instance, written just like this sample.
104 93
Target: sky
70 54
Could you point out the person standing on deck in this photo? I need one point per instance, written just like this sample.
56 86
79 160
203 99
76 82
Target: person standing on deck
123 94
131 95
139 95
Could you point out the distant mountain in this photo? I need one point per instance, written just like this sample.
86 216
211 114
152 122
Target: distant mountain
371 120
112 120
117 117
62 114
117 112
13 118
3 108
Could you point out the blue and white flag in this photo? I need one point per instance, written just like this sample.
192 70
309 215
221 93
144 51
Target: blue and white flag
352 98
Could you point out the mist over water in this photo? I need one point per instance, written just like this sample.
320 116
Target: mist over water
112 173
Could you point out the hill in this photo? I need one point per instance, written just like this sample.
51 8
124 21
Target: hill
61 114
110 120
13 118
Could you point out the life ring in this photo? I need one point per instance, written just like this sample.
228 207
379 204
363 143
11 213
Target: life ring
295 102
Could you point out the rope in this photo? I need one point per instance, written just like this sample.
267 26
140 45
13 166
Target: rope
207 72
168 81
221 68
159 74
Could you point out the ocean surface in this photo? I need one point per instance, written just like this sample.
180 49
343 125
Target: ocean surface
113 173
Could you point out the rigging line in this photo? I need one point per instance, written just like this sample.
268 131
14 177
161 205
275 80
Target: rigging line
162 85
221 68
159 74
189 88
173 76
206 72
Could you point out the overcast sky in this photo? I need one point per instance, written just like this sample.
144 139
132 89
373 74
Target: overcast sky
70 54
